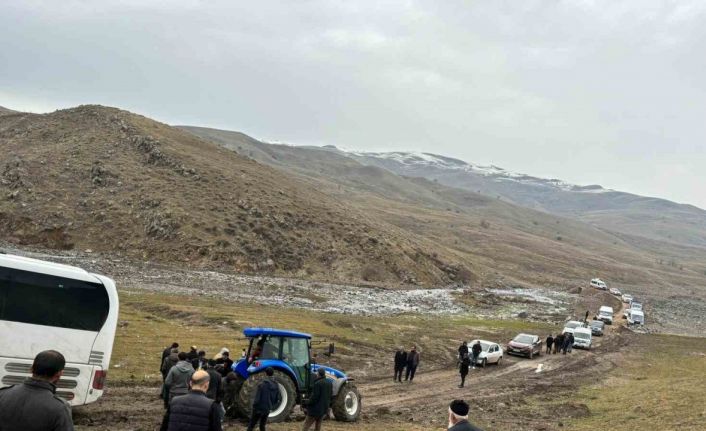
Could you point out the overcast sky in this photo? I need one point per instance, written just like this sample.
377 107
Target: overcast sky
609 92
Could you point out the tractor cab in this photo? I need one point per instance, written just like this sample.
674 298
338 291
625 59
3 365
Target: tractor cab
288 353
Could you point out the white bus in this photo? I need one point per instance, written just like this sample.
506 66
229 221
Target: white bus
45 306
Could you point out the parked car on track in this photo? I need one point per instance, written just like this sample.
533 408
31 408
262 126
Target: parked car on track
571 325
491 353
626 298
598 284
582 338
525 345
614 291
597 327
605 314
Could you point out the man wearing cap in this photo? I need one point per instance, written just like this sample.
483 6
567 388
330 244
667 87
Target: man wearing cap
458 417
320 401
193 411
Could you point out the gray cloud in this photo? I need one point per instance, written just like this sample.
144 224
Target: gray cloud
591 92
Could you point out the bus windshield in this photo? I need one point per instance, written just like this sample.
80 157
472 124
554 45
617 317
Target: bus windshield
40 299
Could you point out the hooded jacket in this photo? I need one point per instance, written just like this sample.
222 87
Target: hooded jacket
179 377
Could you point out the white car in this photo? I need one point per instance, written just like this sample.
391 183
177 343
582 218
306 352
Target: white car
582 338
571 325
636 317
492 353
626 298
605 314
614 291
598 284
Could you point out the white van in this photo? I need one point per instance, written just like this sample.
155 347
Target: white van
605 314
48 306
598 284
582 338
636 317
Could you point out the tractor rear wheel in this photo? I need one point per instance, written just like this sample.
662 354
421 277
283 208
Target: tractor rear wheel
347 404
287 394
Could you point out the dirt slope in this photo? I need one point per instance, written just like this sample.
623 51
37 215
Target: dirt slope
107 180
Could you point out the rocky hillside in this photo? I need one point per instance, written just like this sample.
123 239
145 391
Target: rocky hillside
110 181
502 243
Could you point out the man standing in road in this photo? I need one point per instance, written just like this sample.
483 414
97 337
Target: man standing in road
476 350
550 341
412 364
462 350
558 343
458 417
400 362
463 368
193 411
33 405
266 399
319 403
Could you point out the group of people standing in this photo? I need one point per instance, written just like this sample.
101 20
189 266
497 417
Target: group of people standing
563 343
406 360
467 358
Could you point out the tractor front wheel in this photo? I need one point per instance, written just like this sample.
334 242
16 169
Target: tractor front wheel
287 395
347 404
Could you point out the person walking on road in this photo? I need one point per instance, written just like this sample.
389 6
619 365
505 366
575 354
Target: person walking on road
463 368
319 403
167 365
565 344
34 405
458 417
412 364
177 380
193 411
550 341
570 342
400 362
266 398
476 350
165 354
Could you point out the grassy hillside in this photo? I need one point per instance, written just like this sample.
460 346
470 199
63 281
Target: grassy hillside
498 241
110 181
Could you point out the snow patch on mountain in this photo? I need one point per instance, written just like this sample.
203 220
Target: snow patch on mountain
416 160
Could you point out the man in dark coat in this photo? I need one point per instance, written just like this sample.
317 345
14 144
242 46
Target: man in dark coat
476 350
570 342
266 399
400 362
193 411
458 417
230 385
165 354
462 350
319 403
558 343
177 381
215 391
226 362
463 368
33 405
550 341
412 364
193 356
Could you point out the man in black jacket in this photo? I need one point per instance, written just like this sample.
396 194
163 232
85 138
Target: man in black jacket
165 354
266 398
400 362
412 364
550 341
476 350
319 403
193 411
458 417
33 405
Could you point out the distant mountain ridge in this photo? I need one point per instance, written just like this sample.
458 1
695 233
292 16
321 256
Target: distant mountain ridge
653 218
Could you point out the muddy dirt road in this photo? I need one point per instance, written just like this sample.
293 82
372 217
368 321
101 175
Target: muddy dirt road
497 392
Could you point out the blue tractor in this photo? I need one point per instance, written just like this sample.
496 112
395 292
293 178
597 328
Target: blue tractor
288 352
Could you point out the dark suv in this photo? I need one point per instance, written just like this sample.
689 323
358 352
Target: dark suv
525 345
597 327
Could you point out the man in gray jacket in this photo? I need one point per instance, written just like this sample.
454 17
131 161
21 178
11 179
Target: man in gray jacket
177 381
33 405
